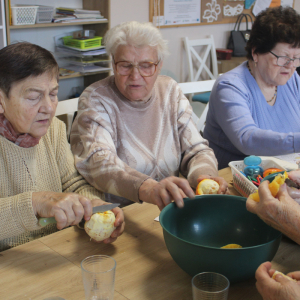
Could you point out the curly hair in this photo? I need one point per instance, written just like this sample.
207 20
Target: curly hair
21 60
272 26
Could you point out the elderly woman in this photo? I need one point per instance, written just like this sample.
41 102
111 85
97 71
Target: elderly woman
255 108
134 131
282 213
38 175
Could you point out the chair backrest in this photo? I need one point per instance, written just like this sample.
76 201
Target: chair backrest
198 87
65 110
69 106
196 61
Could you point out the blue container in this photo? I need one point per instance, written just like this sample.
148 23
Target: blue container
253 167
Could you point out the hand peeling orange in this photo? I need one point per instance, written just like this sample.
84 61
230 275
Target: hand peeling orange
273 186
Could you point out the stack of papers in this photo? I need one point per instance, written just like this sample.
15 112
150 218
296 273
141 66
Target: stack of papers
69 15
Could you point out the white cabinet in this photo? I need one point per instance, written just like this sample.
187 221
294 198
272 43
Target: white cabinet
3 41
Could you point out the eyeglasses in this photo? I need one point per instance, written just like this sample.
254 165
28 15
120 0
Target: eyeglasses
283 61
146 69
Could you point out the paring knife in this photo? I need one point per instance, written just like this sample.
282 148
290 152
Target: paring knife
45 221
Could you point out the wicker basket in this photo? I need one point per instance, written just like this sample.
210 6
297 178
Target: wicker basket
44 14
242 184
24 14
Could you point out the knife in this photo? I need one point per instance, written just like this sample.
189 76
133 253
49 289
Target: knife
101 208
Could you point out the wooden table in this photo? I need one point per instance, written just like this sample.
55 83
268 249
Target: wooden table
50 266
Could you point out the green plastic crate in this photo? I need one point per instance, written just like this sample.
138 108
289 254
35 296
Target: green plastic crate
82 44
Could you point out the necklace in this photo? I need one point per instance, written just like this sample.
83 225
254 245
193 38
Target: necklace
275 94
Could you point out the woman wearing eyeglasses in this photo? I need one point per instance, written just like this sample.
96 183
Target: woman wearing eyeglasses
255 108
134 131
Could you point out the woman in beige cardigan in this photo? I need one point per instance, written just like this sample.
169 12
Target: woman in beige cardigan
38 177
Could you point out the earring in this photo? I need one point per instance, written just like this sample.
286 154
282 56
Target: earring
255 64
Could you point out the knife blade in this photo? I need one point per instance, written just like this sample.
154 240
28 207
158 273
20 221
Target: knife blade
101 208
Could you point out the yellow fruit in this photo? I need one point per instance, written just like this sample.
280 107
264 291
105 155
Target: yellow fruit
207 186
101 225
273 186
285 276
232 246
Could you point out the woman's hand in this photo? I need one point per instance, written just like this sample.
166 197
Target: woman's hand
278 288
165 191
67 208
282 213
223 189
119 224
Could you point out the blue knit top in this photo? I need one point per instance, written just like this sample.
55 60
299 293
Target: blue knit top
240 122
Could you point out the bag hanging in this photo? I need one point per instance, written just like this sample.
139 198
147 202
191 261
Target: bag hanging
238 38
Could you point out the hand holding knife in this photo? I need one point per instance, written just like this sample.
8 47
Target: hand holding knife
102 208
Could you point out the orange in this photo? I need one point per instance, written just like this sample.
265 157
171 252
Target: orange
271 171
207 186
273 186
232 246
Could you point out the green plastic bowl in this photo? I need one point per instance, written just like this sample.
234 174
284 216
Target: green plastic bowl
195 233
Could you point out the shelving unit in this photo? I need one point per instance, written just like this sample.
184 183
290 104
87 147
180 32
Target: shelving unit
3 41
43 33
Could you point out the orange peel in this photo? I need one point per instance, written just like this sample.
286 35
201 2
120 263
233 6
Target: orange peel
273 186
285 276
207 187
231 246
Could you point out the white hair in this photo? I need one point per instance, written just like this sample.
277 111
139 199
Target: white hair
138 35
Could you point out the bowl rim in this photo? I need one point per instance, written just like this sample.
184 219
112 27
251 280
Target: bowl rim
239 198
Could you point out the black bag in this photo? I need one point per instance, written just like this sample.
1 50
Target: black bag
238 38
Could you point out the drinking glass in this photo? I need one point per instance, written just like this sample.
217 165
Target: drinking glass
98 274
210 286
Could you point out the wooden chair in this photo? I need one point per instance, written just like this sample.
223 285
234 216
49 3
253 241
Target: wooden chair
65 110
198 87
197 63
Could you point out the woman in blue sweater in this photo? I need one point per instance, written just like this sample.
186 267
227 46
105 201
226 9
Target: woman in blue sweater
255 108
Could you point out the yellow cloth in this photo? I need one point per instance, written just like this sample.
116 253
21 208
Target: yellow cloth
48 166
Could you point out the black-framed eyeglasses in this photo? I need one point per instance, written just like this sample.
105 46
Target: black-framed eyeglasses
145 68
283 61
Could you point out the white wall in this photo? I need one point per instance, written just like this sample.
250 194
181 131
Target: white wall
175 64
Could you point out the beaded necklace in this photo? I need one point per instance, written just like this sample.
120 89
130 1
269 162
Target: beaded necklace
275 94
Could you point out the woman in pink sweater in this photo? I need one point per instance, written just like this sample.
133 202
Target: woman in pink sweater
134 131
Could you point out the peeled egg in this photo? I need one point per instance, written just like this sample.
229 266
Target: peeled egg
101 225
206 187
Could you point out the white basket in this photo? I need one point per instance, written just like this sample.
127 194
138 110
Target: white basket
242 184
44 14
23 14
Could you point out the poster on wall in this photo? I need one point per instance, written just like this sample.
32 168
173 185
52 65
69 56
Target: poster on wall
181 12
211 11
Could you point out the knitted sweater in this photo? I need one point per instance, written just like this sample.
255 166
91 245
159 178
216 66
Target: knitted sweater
118 144
48 166
240 122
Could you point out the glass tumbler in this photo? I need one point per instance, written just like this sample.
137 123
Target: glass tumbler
210 286
98 275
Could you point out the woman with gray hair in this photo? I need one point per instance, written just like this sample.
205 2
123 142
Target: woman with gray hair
134 131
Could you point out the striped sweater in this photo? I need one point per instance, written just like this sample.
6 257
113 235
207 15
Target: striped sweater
118 143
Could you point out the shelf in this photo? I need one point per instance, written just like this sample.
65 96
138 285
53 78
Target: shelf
82 75
43 25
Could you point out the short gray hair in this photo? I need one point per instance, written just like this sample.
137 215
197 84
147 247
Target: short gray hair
138 35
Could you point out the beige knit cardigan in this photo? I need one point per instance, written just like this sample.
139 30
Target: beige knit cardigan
48 166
